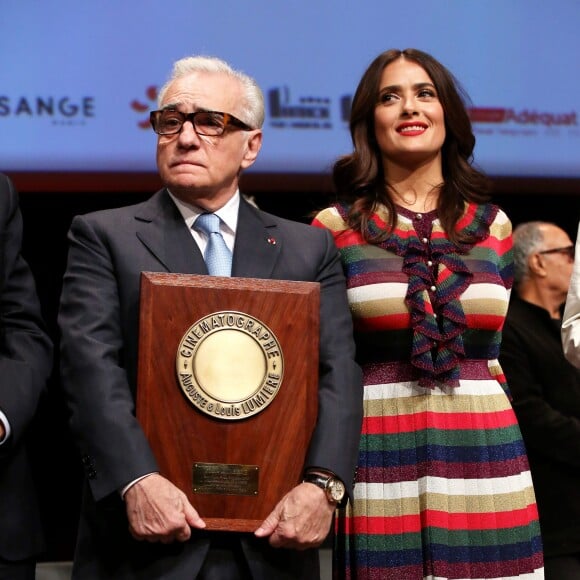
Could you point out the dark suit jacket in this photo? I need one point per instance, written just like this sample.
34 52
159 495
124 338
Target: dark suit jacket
99 323
546 399
25 363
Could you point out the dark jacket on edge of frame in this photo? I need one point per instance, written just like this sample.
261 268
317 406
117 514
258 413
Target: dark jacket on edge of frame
25 364
546 399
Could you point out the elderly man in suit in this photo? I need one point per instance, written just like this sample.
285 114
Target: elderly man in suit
136 524
25 364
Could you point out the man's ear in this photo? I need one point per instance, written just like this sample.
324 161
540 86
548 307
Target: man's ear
536 265
253 146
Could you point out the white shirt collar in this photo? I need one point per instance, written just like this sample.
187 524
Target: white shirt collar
228 213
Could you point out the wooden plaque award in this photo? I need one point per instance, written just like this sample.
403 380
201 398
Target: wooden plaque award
227 389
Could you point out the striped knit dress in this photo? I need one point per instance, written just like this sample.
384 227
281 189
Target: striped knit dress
443 489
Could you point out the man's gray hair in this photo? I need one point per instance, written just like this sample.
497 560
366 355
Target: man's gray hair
528 238
253 102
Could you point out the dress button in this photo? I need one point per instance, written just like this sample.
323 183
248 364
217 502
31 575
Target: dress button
433 288
429 263
419 216
425 240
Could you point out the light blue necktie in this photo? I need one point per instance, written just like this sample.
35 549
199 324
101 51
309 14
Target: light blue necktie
217 256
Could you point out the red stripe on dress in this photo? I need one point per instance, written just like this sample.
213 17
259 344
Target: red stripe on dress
484 321
438 519
395 322
383 525
499 246
437 420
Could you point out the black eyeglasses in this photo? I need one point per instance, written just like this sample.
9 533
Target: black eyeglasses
208 123
568 250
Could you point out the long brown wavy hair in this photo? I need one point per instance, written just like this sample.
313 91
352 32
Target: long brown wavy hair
359 178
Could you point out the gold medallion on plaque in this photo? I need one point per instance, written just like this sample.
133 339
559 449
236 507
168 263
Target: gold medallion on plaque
230 365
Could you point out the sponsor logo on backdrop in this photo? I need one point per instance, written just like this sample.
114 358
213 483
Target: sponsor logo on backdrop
143 107
305 113
509 121
59 110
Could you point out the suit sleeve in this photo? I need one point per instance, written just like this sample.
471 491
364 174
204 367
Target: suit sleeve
25 348
113 447
336 437
571 319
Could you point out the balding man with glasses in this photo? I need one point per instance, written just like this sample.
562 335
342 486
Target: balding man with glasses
135 523
546 388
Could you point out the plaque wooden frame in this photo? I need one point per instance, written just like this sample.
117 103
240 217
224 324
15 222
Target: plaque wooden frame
274 440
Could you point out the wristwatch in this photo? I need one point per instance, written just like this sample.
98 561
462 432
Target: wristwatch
332 486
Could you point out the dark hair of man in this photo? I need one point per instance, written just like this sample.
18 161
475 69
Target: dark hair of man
358 177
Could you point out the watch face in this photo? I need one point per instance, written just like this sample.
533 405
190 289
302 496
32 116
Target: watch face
336 490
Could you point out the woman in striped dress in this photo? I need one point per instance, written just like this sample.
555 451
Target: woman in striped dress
443 488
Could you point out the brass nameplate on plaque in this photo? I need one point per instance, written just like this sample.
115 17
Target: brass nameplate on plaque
225 478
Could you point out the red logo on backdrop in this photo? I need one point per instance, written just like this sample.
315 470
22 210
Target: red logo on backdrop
523 117
486 115
141 107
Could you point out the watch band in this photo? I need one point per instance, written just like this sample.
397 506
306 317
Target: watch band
330 484
317 479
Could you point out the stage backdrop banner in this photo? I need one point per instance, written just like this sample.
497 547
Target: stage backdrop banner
78 79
